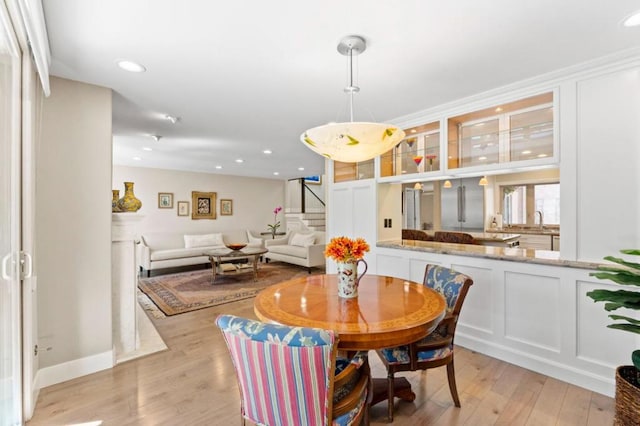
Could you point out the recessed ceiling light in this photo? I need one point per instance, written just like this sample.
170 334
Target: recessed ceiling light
498 109
526 152
276 173
137 158
171 118
632 21
267 151
542 155
301 168
218 167
413 130
131 66
482 158
146 148
239 160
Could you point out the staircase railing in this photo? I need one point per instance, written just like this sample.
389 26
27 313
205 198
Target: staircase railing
302 198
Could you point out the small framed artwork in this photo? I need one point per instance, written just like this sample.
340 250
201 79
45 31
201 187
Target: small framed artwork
313 180
165 200
226 207
183 208
203 205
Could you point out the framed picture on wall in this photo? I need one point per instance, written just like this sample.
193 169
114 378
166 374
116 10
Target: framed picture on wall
313 180
183 208
226 207
203 205
165 200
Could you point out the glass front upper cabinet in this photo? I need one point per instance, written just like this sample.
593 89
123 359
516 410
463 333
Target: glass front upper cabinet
345 172
516 131
418 152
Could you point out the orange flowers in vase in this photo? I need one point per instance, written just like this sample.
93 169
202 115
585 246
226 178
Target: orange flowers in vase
348 254
343 249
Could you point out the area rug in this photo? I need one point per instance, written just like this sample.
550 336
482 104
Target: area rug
189 291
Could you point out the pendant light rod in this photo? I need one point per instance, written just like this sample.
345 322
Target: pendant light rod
350 46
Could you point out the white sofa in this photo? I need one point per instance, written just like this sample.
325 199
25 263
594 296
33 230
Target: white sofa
159 250
299 248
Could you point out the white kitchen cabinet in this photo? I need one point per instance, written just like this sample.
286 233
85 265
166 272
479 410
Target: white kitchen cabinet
535 241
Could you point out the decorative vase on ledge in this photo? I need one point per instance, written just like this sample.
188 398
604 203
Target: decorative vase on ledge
129 203
114 201
348 278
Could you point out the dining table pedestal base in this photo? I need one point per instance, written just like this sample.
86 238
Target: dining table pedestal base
401 389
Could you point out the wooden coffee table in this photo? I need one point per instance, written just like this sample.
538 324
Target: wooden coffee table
225 255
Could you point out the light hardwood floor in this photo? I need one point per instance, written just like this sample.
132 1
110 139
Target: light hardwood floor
193 383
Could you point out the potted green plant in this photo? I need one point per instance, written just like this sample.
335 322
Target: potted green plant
627 377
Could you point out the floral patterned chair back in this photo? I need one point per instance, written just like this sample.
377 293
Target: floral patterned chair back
437 348
286 375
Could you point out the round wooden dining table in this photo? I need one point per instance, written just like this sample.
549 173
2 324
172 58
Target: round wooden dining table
388 312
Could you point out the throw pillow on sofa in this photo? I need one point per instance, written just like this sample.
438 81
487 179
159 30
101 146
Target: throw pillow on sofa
205 240
302 240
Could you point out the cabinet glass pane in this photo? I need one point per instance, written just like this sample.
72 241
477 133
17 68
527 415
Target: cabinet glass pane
344 172
531 134
479 143
418 153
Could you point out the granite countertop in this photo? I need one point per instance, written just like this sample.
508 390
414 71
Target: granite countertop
526 230
544 257
501 237
494 236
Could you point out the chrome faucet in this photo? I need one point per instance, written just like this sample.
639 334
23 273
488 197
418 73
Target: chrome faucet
539 213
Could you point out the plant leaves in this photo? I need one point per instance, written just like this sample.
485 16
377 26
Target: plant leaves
623 318
620 277
617 299
635 252
626 327
621 261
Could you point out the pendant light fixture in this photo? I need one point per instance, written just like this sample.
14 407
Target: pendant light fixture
352 141
483 181
447 184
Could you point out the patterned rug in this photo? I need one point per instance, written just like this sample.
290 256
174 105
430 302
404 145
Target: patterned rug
188 291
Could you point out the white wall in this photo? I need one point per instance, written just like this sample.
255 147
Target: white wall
73 223
253 199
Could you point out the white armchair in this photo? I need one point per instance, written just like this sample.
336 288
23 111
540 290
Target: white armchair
298 248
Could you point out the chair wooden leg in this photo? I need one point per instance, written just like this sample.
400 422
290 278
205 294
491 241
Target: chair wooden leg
390 395
451 375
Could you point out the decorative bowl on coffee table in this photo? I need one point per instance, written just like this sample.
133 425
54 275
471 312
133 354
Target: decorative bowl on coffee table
238 246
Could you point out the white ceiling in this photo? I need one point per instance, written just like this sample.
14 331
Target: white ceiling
249 75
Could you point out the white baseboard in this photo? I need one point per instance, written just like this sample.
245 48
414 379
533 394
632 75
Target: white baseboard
564 372
72 369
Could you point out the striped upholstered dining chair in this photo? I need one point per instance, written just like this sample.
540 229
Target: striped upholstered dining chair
436 349
292 375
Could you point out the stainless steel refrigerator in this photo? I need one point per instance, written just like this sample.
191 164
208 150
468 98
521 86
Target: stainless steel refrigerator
462 206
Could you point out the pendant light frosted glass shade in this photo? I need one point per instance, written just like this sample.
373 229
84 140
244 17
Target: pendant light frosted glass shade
353 141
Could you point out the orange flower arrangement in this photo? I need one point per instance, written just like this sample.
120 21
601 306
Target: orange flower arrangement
343 249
